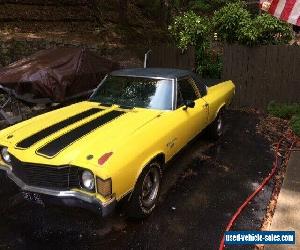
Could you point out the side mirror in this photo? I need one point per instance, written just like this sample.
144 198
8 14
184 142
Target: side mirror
188 104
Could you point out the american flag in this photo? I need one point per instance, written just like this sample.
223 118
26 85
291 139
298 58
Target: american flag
286 10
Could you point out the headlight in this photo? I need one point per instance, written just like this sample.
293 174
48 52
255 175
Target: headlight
104 187
5 155
88 180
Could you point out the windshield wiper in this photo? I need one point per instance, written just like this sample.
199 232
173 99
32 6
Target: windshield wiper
125 107
105 104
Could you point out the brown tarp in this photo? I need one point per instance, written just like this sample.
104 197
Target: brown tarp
57 74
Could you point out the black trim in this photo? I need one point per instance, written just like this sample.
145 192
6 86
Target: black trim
31 140
46 176
105 104
125 107
58 144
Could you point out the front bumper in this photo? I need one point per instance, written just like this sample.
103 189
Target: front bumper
67 198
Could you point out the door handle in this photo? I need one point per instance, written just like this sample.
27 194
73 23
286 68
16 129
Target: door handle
205 105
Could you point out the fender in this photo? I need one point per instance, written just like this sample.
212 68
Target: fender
160 155
222 106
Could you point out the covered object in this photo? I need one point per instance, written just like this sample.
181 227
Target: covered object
57 74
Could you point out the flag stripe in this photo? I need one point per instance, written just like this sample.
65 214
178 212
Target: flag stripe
286 10
295 13
279 8
289 5
273 7
298 22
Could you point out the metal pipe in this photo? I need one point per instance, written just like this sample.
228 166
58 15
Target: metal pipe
146 58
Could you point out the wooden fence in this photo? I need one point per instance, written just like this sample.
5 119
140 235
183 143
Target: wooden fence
263 74
168 56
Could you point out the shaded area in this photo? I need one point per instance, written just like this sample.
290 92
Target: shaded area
203 187
57 74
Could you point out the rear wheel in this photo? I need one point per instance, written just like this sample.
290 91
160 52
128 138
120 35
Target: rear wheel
146 192
2 178
2 186
215 129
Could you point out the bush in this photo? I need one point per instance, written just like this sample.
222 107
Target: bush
295 123
271 30
208 64
284 111
234 23
190 29
229 21
287 111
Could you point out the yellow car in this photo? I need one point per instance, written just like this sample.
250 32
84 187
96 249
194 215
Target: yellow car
114 146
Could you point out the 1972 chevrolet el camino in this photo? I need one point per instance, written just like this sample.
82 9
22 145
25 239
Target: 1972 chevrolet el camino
94 153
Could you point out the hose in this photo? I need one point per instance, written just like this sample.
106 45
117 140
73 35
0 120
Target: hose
290 138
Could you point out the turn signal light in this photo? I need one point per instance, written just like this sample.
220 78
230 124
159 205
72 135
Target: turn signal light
104 158
104 187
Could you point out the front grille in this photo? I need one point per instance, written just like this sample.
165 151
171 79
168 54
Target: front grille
60 178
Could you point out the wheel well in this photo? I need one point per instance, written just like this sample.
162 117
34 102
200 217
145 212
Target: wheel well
221 110
160 158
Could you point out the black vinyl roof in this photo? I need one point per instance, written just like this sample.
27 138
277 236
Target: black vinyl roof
152 73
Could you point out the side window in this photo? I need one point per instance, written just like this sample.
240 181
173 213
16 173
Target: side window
200 84
180 101
187 90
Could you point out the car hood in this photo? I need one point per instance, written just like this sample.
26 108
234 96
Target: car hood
77 131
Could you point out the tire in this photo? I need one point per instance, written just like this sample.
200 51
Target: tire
2 178
215 129
2 185
146 192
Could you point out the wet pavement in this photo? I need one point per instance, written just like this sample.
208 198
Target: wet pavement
203 186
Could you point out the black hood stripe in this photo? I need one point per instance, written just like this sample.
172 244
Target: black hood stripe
58 144
31 140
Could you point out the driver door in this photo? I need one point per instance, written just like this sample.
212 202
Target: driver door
187 122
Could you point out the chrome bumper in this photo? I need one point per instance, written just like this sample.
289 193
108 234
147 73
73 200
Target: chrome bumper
68 197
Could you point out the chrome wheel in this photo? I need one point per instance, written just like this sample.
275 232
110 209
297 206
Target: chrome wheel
150 186
219 126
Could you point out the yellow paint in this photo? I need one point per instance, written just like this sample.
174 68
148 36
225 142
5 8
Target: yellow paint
135 138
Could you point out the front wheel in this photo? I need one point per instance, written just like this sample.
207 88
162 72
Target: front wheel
146 192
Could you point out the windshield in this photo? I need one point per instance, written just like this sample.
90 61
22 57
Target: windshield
135 92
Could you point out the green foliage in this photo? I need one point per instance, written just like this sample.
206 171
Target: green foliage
190 29
295 123
229 21
234 23
271 30
285 111
208 64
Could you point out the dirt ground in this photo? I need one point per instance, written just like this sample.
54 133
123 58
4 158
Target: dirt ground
203 187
